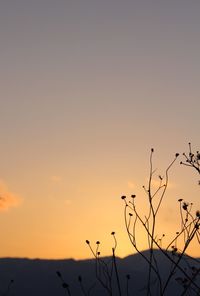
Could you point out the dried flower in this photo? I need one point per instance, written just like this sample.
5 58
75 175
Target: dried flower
58 274
174 249
185 206
198 213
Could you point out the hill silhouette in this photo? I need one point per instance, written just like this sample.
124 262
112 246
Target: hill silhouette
38 277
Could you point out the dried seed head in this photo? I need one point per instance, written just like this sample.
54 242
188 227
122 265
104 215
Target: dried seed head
185 206
198 213
58 274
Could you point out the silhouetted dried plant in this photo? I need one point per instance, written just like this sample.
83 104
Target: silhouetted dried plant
189 230
106 269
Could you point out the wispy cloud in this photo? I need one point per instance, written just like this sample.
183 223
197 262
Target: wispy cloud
8 199
55 179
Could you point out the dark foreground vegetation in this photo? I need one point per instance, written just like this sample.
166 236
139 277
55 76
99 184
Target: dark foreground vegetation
165 269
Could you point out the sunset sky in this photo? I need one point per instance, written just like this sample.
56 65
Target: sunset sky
88 87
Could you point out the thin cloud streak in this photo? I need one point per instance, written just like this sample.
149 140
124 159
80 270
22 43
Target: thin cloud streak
55 179
8 199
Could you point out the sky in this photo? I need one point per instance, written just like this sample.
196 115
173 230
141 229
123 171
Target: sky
87 89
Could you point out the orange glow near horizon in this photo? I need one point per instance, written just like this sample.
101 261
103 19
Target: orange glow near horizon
59 228
87 89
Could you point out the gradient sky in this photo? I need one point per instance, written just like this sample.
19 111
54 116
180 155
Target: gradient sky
87 88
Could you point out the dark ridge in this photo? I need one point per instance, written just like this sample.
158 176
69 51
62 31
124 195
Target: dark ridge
38 276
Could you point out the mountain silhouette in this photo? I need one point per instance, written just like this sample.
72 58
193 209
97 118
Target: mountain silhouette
37 277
